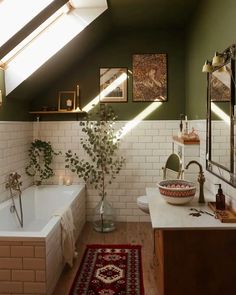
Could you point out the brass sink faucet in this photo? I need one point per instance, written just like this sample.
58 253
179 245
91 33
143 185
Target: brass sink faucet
201 180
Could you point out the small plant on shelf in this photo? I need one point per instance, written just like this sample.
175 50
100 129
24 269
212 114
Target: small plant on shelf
103 164
41 156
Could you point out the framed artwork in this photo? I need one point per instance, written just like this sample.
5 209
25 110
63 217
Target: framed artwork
113 85
149 77
66 101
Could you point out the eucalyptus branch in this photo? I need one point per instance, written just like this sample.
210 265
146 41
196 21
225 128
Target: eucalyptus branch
101 144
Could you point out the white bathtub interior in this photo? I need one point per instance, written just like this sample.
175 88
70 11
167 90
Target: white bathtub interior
39 204
41 234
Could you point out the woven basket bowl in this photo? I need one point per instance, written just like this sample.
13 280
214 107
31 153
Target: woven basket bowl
176 191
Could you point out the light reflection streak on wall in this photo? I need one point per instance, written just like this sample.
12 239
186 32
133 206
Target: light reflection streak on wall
221 114
138 119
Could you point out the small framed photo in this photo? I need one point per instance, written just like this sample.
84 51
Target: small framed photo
113 84
150 77
66 101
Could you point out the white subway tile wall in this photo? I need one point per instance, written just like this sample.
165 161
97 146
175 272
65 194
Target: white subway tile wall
220 143
15 138
145 148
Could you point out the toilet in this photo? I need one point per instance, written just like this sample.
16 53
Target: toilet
142 203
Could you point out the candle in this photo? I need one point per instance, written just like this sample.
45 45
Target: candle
77 98
68 181
186 125
60 180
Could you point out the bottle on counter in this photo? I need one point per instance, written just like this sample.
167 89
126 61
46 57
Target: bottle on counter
220 199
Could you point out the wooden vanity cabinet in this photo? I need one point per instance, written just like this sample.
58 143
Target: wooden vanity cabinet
196 262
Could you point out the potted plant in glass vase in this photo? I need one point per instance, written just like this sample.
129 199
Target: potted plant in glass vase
102 165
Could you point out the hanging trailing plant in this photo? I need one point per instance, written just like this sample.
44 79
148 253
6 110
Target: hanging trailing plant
41 156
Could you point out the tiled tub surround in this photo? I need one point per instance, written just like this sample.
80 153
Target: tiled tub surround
15 138
31 258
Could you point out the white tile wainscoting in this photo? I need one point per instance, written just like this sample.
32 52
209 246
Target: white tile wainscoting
145 148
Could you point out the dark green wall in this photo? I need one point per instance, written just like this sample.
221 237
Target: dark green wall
213 29
117 51
12 110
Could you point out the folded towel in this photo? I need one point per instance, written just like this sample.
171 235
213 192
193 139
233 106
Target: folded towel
67 234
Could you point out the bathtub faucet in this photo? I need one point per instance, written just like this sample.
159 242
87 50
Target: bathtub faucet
201 180
13 181
14 184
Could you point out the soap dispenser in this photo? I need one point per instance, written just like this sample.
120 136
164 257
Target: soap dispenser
220 199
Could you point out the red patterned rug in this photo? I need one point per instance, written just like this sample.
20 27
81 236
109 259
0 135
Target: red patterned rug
109 270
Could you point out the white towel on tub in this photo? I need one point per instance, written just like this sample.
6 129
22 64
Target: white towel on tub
67 234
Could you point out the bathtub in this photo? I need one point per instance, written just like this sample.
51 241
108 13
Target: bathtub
31 259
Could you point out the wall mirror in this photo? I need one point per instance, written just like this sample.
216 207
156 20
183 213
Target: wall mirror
220 118
173 167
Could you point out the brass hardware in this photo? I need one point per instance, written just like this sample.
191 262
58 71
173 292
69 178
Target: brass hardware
201 180
13 184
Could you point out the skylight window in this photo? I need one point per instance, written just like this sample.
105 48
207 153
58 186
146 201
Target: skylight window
47 40
15 14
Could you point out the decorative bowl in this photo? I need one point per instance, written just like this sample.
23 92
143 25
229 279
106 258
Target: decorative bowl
177 191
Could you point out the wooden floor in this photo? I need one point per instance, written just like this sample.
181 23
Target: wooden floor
126 233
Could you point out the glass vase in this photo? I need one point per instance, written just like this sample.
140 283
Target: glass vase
104 216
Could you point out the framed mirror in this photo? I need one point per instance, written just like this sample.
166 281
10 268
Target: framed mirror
220 120
173 167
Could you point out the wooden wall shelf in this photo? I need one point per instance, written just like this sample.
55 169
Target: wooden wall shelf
56 112
186 141
76 113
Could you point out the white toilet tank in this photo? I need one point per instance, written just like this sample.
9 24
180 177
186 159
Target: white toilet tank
142 203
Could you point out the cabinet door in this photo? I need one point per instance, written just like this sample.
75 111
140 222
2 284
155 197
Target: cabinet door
160 260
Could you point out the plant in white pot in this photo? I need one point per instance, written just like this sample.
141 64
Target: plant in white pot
102 165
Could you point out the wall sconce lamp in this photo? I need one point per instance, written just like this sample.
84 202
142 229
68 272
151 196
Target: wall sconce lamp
219 59
207 67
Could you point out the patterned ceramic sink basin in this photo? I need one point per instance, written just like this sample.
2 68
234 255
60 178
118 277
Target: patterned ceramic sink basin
177 191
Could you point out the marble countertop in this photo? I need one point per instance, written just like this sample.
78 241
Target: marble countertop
167 216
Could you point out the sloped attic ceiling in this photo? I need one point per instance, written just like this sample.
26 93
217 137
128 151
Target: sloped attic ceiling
121 15
50 37
161 14
72 53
